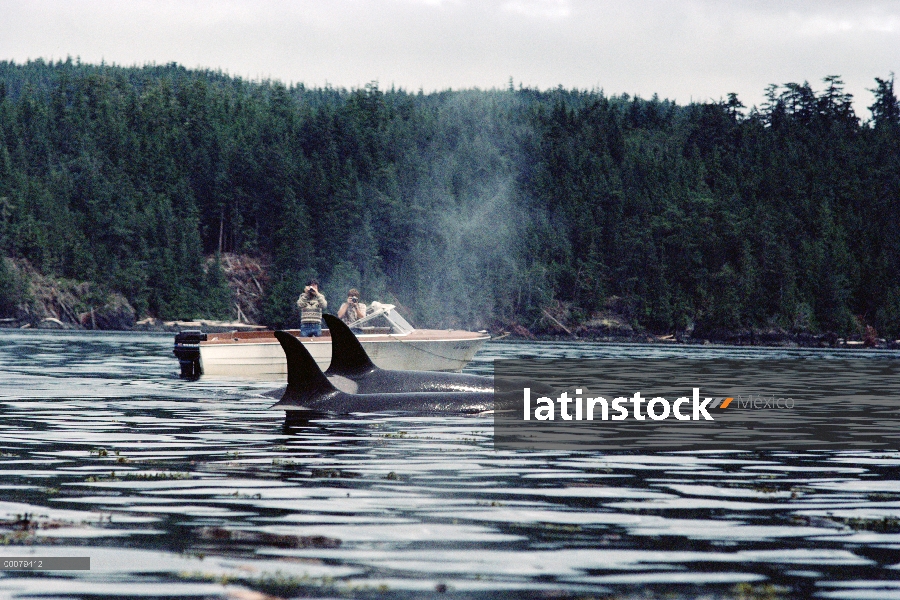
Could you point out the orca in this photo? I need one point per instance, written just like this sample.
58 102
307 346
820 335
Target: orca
309 392
350 361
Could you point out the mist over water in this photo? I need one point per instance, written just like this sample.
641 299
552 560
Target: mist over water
196 489
453 258
470 253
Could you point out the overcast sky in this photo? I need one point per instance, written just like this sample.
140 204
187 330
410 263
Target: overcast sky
681 50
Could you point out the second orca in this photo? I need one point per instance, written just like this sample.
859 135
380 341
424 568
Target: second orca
350 361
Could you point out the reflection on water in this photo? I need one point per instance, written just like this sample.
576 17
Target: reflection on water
195 489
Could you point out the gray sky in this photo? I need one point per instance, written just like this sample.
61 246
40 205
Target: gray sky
682 50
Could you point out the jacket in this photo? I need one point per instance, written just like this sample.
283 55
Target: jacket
311 307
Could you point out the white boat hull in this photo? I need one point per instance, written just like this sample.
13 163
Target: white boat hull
421 350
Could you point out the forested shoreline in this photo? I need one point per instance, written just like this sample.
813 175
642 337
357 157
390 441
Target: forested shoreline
478 209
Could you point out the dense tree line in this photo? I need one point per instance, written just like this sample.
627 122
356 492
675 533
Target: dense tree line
468 207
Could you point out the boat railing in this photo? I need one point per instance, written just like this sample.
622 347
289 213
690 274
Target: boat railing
398 323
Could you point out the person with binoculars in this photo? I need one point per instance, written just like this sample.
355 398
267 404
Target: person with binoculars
311 303
352 310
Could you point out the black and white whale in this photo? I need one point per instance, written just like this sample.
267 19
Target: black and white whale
352 370
309 392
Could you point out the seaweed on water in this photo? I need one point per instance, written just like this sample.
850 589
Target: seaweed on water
223 534
333 474
886 524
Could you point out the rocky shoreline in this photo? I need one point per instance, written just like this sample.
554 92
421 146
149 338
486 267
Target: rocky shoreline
760 338
144 325
67 305
607 327
771 339
612 325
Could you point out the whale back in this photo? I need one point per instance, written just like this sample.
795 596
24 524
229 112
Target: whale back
306 382
309 393
348 358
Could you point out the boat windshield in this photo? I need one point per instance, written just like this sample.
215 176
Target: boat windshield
380 316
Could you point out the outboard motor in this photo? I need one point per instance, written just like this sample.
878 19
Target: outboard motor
187 350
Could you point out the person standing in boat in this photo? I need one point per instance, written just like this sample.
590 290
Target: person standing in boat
352 310
311 304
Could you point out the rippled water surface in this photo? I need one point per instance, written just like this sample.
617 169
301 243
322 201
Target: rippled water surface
182 489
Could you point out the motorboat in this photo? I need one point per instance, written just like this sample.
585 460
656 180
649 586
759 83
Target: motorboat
389 340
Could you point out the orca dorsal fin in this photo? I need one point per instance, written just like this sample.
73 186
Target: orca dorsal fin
305 379
347 355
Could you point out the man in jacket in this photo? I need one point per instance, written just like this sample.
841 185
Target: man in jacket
311 304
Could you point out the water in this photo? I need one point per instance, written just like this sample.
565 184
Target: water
196 490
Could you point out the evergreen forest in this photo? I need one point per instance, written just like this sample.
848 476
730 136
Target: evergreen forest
469 208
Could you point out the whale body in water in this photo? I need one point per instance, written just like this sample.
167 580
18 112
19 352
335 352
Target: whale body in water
352 370
309 392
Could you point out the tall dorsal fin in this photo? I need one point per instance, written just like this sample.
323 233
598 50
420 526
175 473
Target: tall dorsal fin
347 355
305 379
